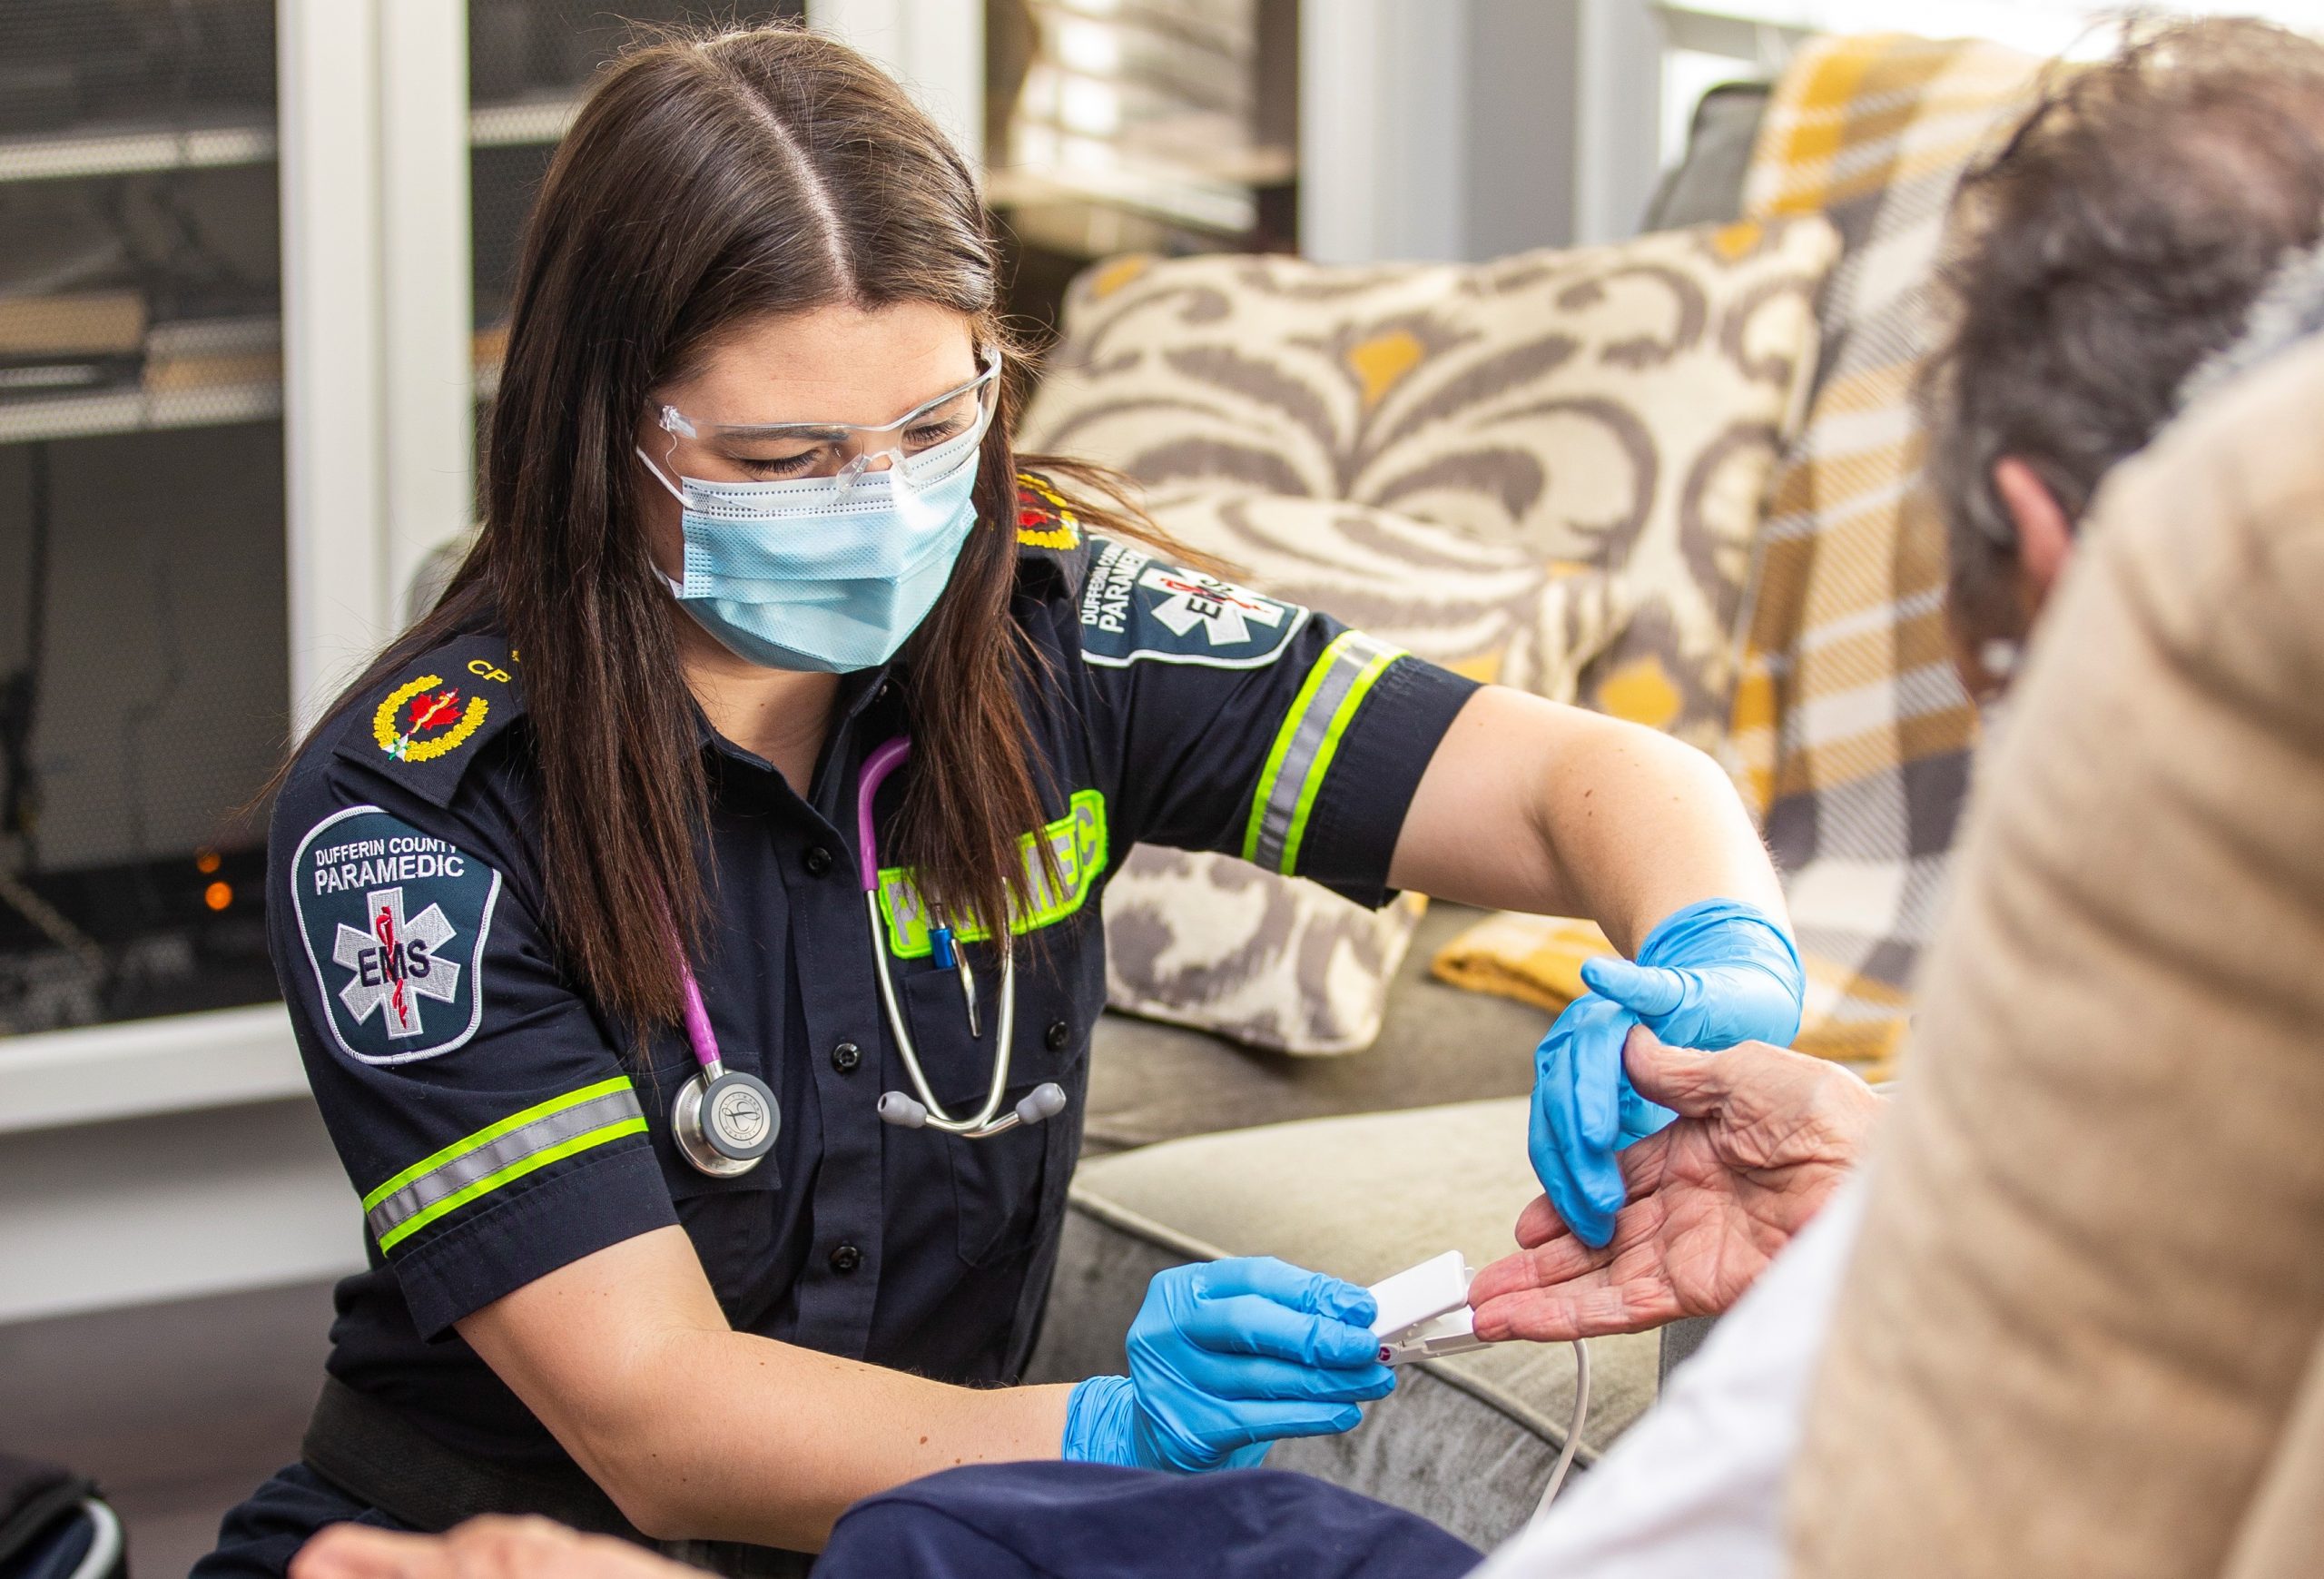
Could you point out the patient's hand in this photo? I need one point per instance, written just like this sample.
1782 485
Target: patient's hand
485 1548
1764 1135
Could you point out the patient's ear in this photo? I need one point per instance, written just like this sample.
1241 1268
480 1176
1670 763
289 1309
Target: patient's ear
2044 537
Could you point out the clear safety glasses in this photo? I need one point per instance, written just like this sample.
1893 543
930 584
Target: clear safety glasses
921 447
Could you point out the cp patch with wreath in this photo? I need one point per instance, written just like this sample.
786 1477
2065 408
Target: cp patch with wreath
1044 520
426 718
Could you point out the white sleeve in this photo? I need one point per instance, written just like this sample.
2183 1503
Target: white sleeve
1697 1486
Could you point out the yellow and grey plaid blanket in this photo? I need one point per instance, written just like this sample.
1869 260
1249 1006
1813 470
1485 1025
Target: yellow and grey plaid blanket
1851 737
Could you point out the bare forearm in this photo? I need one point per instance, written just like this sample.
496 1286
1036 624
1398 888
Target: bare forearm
763 1442
698 1431
1529 805
1636 825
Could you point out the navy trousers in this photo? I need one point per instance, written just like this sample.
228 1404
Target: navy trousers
1009 1521
259 1536
1093 1521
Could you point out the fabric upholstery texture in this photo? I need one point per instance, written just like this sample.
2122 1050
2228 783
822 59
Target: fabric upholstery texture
1706 187
2089 1290
1469 1440
1850 735
1215 943
2283 1528
1488 608
1850 732
1616 405
1151 1081
1538 959
1544 470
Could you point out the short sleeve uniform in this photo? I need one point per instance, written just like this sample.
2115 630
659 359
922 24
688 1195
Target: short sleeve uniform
498 1124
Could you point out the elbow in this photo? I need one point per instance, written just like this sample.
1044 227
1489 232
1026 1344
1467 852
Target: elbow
657 1518
647 1498
1682 760
1691 774
647 1484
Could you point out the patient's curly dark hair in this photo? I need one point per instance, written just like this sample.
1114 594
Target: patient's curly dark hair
2117 239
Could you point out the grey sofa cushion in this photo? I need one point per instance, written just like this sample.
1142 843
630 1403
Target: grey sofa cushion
1706 187
1467 1441
1150 1083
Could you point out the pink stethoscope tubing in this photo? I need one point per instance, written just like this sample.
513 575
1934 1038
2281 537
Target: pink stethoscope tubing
695 1013
895 1107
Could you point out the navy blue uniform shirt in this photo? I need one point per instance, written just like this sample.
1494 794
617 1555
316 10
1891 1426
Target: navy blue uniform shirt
496 1122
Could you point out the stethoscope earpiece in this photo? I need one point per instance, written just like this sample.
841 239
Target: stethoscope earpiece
726 1121
1044 1102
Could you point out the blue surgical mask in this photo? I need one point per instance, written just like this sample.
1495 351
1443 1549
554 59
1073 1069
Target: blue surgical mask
823 574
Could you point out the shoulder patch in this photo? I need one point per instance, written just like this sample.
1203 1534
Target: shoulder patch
394 921
1044 520
1136 607
425 728
419 723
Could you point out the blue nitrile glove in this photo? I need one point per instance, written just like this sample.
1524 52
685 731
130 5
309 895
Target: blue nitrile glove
1576 1126
1715 973
1225 1357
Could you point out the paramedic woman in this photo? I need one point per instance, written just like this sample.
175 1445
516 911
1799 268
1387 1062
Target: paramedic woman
765 612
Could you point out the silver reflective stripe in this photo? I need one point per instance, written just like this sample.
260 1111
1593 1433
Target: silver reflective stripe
1345 664
501 1154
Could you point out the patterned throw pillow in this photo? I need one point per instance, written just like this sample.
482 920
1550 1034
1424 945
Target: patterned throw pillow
1280 962
1489 609
1544 470
1616 407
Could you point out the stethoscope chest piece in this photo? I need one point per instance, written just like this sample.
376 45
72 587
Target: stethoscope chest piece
724 1121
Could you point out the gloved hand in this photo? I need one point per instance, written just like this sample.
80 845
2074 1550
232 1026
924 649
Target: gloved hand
1225 1357
1715 973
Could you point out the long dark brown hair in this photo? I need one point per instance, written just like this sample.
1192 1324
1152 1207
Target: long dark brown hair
710 179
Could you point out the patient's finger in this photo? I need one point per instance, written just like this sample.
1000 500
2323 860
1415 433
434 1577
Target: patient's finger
1539 1223
1638 1230
1736 1084
1692 1084
1598 1304
363 1551
1545 1266
524 1546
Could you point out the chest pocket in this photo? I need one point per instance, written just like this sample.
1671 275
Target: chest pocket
1002 1183
731 1221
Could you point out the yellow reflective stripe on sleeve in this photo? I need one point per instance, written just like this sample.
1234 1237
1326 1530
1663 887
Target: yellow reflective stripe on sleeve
1309 739
501 1153
1078 839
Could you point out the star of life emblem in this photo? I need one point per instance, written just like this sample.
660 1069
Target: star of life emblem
396 963
1224 611
394 920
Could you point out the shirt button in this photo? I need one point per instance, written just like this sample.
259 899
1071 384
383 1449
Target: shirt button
1059 1034
818 860
846 1057
845 1259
